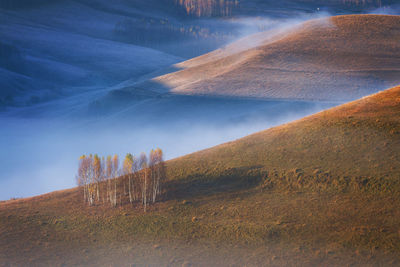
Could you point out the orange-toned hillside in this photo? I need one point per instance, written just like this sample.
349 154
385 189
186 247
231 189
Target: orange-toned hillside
360 139
338 58
323 190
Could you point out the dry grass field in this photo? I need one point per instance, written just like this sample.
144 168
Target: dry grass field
323 190
337 58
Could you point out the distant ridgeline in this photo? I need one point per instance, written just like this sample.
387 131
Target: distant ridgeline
208 8
368 3
361 4
215 8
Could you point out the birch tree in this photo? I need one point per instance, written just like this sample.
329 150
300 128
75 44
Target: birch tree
97 173
144 178
81 176
160 171
127 171
90 182
157 168
136 188
108 174
115 172
101 181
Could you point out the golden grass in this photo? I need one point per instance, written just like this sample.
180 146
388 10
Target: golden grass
358 139
338 58
323 190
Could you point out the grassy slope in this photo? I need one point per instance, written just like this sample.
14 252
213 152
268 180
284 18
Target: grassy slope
343 57
358 139
322 190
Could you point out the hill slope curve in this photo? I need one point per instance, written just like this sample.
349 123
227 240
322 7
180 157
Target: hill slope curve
338 58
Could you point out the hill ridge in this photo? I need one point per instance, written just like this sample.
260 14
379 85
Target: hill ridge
338 58
383 109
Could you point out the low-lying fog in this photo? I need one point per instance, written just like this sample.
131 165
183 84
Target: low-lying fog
41 155
57 59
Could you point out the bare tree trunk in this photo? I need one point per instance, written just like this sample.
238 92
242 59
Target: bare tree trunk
84 193
109 192
133 188
115 192
123 182
104 195
136 184
129 187
90 200
98 192
145 190
154 189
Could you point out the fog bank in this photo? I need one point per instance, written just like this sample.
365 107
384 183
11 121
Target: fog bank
41 155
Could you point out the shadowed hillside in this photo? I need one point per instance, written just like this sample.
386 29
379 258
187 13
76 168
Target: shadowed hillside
323 190
339 58
55 49
359 140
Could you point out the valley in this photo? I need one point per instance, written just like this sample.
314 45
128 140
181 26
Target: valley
279 124
259 196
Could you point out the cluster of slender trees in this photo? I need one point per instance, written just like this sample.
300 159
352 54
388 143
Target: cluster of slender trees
138 180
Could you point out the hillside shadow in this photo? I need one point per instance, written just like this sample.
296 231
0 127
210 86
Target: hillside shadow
230 180
127 104
130 93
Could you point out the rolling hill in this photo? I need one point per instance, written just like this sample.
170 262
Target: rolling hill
323 190
51 49
55 49
357 140
338 58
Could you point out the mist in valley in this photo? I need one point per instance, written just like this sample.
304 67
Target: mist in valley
64 67
393 9
41 154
